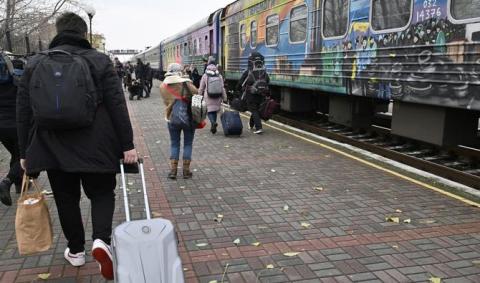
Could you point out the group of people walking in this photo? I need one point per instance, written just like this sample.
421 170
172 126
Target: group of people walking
140 85
81 146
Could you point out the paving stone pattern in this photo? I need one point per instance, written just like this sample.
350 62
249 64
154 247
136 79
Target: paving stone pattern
250 180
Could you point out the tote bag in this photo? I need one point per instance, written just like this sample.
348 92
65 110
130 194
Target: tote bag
33 225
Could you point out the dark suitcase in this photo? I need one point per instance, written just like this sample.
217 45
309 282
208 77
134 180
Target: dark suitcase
239 104
267 108
231 123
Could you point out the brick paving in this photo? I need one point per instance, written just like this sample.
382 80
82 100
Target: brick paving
340 232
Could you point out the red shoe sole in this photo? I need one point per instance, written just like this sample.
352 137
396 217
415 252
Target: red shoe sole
106 265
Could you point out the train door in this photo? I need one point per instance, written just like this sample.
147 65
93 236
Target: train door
221 47
211 42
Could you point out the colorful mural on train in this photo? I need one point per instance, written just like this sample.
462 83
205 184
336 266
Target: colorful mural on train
428 58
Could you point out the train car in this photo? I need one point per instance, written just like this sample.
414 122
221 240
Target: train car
423 54
194 44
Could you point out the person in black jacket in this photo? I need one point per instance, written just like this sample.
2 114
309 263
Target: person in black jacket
254 73
8 129
88 156
140 74
148 79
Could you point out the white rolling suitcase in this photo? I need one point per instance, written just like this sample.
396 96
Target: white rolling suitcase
145 251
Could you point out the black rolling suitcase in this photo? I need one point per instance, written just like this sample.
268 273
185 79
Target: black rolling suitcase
231 123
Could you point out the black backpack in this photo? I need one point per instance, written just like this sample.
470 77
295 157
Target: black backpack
62 91
259 78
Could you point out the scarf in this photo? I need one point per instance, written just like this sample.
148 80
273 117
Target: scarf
69 38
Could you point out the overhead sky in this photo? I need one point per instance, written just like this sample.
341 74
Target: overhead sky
136 24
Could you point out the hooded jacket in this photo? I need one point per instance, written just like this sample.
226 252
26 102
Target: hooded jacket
93 149
213 104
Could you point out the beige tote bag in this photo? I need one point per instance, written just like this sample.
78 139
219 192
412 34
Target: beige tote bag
33 225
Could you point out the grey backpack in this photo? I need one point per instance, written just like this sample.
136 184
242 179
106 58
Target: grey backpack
214 85
62 91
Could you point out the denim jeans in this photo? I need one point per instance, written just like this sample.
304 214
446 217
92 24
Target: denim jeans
212 116
175 135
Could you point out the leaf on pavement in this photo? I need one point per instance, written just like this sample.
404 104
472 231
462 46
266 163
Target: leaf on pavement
427 221
435 280
237 241
392 219
273 170
290 254
256 244
213 281
185 269
156 214
158 142
398 211
476 262
270 266
131 183
44 276
318 189
201 245
219 218
285 208
408 220
306 225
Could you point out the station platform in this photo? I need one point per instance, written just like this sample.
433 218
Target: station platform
293 211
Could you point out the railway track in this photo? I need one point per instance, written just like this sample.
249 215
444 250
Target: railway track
460 164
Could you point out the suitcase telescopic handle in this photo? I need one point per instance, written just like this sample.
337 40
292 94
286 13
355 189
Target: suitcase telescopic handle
124 188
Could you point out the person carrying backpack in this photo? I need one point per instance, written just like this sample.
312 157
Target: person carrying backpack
177 91
8 128
254 84
211 87
80 131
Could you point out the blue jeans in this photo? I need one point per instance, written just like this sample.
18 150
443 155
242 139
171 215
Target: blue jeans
175 135
212 116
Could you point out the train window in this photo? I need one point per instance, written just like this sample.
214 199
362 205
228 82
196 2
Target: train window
185 49
335 18
207 44
465 9
194 47
388 15
243 36
273 22
253 34
298 24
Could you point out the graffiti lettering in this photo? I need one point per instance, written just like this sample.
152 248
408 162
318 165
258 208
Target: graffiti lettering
429 4
427 14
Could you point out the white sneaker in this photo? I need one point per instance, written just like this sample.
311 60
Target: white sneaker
102 254
258 132
77 259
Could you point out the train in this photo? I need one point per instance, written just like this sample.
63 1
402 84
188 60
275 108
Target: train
351 59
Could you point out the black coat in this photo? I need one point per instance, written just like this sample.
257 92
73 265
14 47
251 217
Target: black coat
8 97
94 149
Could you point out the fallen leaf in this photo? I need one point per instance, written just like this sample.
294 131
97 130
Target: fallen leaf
435 279
156 214
293 173
195 170
392 219
131 183
219 218
237 241
273 170
219 198
476 262
227 146
213 281
270 266
158 142
408 220
290 254
256 244
44 276
306 225
146 156
151 169
182 187
398 211
201 245
262 227
285 208
395 246
318 189
139 191
185 269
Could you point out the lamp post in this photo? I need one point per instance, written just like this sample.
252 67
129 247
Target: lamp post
90 12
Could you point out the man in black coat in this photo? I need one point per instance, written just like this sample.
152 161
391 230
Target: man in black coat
255 71
88 156
8 129
148 79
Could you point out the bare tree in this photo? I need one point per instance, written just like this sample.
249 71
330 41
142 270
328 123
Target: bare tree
24 19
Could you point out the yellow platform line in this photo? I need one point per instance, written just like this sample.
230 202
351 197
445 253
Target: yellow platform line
368 163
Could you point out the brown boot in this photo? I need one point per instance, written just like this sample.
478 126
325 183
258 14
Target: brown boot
173 169
187 174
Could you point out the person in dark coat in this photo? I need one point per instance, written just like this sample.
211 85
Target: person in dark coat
148 79
88 156
140 73
254 99
8 129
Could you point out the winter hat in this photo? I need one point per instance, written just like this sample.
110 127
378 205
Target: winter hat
71 22
174 69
